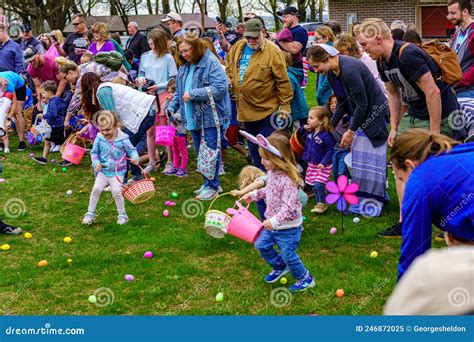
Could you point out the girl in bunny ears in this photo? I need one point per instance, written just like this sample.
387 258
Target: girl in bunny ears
284 217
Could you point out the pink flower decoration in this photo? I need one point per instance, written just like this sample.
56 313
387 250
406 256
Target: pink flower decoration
341 191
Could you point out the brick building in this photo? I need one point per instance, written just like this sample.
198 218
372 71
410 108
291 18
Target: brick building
429 16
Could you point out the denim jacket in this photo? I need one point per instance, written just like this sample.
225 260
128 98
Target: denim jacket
208 73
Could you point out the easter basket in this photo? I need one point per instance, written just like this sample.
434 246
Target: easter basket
139 191
216 221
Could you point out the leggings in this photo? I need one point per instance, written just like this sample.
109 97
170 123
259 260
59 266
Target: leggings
101 182
5 104
180 151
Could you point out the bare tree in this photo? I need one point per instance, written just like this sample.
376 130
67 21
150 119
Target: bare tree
223 5
122 8
239 8
321 9
166 6
149 7
178 6
271 6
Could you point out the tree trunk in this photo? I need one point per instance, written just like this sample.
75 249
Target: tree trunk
312 10
302 10
166 6
149 7
222 4
135 6
157 7
241 14
321 9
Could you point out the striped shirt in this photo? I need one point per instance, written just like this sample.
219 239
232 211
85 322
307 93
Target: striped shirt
314 174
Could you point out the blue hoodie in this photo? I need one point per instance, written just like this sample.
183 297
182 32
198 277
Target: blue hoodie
439 191
56 112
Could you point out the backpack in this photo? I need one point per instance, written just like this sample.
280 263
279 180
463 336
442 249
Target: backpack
444 57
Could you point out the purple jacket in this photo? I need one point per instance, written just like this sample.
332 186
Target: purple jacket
319 148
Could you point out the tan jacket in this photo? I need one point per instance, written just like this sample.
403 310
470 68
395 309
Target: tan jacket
265 87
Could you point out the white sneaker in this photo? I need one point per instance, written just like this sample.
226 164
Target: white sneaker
151 167
107 188
221 170
6 150
88 218
56 148
122 219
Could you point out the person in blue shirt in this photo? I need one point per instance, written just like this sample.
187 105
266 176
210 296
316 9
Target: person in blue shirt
438 174
11 55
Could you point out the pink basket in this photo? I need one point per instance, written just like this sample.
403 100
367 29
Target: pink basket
243 225
74 153
164 135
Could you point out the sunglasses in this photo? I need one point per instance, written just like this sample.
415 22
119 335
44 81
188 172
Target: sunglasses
75 24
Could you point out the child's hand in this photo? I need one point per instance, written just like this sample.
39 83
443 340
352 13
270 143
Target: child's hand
134 161
247 198
236 193
306 127
98 167
268 225
320 166
39 116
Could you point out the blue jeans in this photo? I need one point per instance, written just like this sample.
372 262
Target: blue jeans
319 192
466 93
210 136
262 127
339 167
287 241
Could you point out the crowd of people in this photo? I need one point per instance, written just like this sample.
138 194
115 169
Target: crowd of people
377 88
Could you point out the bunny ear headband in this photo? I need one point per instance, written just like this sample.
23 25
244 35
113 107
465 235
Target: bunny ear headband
261 141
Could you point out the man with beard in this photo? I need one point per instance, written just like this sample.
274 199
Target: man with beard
257 71
459 13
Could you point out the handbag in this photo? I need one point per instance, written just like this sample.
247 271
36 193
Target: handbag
207 157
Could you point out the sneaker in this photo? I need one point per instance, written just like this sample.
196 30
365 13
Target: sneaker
9 229
151 167
168 166
394 231
107 188
6 150
181 173
88 218
65 163
2 132
319 208
219 189
171 171
276 275
198 191
21 146
302 285
40 160
207 194
2 146
122 219
55 149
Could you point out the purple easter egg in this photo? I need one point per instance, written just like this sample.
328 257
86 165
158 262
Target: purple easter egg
333 230
32 154
148 255
167 203
172 204
129 277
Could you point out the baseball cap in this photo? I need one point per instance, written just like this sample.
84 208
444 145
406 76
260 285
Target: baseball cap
172 16
29 53
26 27
288 10
253 27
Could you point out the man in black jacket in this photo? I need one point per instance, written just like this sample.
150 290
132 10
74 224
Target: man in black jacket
137 41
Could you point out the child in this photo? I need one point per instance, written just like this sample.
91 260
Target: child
318 151
54 116
284 218
252 178
180 151
339 166
109 152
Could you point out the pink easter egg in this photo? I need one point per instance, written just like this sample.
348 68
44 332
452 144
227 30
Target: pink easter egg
129 277
148 255
333 230
2 180
166 213
172 204
32 154
167 203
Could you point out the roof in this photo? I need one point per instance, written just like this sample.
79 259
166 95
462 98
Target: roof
144 21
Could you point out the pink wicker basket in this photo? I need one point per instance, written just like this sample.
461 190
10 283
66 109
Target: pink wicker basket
139 191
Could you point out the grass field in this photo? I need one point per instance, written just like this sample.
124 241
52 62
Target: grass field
189 267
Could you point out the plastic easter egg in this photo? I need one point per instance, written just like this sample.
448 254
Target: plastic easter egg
148 255
67 239
92 299
43 263
28 236
374 254
356 220
166 213
340 293
283 281
5 247
333 230
129 277
220 297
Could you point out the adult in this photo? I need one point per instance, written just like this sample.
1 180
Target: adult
102 42
397 33
28 40
428 101
200 76
56 36
136 110
323 35
347 45
459 13
175 23
13 83
42 68
335 26
73 73
359 95
398 24
259 79
437 176
137 41
157 65
45 40
289 17
76 43
412 36
11 55
227 38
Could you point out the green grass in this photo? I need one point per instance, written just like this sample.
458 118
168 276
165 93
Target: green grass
189 267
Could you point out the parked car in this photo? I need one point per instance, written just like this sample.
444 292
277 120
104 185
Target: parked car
311 28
